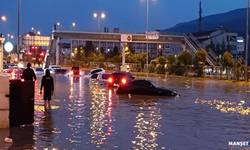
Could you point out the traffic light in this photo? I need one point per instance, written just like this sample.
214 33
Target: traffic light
105 29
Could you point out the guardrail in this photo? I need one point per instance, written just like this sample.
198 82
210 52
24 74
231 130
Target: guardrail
120 31
195 49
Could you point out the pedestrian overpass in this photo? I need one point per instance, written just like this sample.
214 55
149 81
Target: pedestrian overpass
136 37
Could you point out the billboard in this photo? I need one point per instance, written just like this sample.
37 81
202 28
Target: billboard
126 38
152 35
35 40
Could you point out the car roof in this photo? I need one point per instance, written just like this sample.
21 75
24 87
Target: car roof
97 69
121 72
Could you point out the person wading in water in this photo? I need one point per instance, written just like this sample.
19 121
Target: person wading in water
48 88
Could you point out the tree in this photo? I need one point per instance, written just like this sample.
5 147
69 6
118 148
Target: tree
115 51
228 61
79 53
102 50
200 58
218 50
160 69
238 69
217 62
185 58
223 48
171 61
88 48
212 46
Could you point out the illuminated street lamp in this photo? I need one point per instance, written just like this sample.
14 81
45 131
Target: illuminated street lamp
27 35
3 18
38 32
73 24
99 19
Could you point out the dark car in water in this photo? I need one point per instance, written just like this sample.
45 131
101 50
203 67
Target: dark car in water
75 71
144 87
119 78
60 71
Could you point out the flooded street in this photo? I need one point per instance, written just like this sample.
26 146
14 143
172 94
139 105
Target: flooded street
207 115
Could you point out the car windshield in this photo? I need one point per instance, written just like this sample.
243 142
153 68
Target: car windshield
39 69
94 76
154 84
118 74
54 67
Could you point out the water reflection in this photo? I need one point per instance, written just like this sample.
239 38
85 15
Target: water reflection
47 128
147 127
101 116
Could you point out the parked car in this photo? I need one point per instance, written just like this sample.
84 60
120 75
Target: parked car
50 70
118 78
96 71
54 67
144 87
60 71
102 78
39 71
93 79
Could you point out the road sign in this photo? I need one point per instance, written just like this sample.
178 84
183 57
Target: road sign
152 35
126 38
8 47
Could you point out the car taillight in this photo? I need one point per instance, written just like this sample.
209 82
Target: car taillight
72 72
124 81
13 73
110 80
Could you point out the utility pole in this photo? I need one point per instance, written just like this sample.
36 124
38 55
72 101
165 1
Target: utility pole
247 41
200 17
18 34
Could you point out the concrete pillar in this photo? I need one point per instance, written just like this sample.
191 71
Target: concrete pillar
4 101
71 45
1 53
57 50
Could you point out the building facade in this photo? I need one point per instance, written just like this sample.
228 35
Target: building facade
155 49
225 37
240 47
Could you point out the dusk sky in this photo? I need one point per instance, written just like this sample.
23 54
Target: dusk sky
126 14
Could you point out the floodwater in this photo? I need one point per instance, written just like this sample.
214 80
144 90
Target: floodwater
208 115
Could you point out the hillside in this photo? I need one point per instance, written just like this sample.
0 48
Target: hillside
235 20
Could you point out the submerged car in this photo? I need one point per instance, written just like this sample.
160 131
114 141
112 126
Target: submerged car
96 71
119 78
75 71
144 87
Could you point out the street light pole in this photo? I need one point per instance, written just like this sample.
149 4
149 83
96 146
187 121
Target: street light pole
99 24
18 33
247 43
147 31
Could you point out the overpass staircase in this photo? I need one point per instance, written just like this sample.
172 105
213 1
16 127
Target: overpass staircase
195 46
50 54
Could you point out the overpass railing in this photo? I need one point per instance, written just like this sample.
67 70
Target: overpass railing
112 31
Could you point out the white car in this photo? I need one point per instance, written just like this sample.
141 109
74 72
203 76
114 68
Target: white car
54 67
96 71
102 78
93 78
50 70
39 71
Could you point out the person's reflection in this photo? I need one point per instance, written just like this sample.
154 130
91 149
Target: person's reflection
47 126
